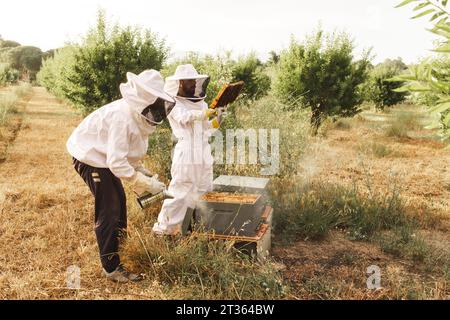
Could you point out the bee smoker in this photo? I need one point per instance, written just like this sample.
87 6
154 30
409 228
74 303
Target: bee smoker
147 198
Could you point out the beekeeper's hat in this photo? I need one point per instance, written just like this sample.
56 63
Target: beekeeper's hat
187 72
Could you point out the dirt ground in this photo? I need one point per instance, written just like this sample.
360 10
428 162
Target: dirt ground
47 214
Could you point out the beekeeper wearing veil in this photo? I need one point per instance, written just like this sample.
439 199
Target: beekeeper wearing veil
192 123
107 148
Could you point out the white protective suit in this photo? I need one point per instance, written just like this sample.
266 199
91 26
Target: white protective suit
115 136
192 163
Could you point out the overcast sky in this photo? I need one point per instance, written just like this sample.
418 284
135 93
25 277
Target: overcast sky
209 26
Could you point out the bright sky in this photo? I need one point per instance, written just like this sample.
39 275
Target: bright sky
209 26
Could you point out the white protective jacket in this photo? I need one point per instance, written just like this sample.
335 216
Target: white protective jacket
192 163
114 136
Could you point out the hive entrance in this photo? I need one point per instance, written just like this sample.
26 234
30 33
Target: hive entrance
227 197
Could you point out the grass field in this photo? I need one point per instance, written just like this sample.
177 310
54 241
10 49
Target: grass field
47 219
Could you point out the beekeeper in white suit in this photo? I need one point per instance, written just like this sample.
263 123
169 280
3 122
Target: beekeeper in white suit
107 147
192 123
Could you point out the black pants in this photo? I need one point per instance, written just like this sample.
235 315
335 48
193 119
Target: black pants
110 211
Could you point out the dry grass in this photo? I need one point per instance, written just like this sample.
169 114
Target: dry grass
337 269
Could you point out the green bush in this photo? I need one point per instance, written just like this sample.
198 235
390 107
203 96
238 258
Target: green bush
8 43
402 242
312 210
321 74
8 75
269 113
100 63
250 70
160 145
56 71
401 124
380 89
8 102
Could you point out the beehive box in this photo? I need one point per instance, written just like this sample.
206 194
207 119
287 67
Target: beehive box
228 213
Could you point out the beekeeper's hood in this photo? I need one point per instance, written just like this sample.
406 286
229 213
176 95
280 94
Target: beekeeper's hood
187 72
142 91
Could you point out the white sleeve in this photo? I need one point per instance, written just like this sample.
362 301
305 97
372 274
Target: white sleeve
183 116
117 151
136 164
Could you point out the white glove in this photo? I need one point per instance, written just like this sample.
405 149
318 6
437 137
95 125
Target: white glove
144 171
142 184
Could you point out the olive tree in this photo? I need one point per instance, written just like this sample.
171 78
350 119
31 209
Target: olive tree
322 74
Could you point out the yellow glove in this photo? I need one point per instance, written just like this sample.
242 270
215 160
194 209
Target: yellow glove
215 123
218 119
209 113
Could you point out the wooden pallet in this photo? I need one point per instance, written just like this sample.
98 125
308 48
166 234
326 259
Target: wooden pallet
259 245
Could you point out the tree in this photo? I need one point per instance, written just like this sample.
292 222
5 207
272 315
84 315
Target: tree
26 59
8 44
56 70
98 65
250 70
274 57
433 78
7 74
321 74
379 89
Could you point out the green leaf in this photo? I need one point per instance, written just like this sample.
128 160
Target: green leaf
422 5
440 32
444 3
443 20
436 15
424 13
443 48
413 88
441 107
447 120
402 89
402 78
404 3
443 26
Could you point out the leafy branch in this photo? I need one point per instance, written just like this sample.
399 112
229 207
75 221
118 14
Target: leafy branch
432 78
